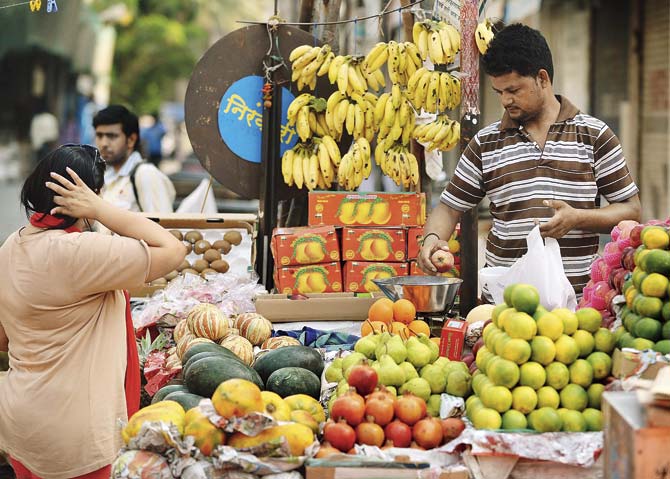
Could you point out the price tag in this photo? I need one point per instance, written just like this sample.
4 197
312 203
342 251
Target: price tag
449 11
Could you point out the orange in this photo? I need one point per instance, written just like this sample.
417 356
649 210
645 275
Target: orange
369 327
400 329
417 327
381 310
404 311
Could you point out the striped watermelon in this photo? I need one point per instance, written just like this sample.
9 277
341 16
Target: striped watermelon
241 347
188 341
180 330
254 327
207 321
279 342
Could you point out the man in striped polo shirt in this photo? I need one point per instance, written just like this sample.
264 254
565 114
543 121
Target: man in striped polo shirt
545 162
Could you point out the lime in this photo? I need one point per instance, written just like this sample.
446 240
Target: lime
516 350
601 364
595 392
573 421
498 398
524 399
514 420
548 397
486 418
570 322
581 373
532 374
594 419
543 350
574 397
525 298
551 326
655 285
567 350
604 340
589 319
546 419
585 341
558 375
648 328
503 372
521 326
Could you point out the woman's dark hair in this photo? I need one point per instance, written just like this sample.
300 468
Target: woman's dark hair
85 160
518 48
114 114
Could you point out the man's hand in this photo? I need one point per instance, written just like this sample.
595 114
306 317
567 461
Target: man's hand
426 252
564 220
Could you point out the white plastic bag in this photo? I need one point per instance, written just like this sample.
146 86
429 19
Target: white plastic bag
201 200
541 267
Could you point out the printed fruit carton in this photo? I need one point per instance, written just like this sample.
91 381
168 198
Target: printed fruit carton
452 339
366 209
415 236
320 278
368 244
306 245
358 275
414 270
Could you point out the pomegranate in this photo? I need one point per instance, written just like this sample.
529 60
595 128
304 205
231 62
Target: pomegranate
350 407
399 433
381 410
381 393
428 432
363 378
442 260
326 450
410 408
340 435
370 433
452 427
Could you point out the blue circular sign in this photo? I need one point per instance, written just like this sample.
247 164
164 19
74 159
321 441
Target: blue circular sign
241 119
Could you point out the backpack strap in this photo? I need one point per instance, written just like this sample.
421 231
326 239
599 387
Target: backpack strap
133 172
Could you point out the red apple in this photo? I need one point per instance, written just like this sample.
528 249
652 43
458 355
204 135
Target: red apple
468 359
473 367
478 344
635 235
442 260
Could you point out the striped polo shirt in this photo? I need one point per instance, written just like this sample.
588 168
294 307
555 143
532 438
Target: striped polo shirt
582 159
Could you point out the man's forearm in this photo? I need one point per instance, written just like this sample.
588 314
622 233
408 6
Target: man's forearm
602 220
442 221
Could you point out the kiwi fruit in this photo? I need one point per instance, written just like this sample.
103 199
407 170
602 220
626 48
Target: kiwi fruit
207 271
171 275
193 236
190 271
184 265
200 265
211 255
158 282
220 265
177 234
233 237
223 246
189 248
201 246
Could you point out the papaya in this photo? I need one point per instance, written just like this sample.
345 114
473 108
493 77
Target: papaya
275 406
298 436
207 436
237 397
307 403
163 411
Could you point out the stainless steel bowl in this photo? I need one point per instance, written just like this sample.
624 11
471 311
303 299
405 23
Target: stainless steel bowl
429 294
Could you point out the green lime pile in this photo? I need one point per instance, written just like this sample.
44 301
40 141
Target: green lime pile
646 316
539 369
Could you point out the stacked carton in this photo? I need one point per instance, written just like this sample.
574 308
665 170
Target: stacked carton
414 238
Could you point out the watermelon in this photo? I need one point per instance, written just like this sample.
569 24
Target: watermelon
290 356
289 381
205 375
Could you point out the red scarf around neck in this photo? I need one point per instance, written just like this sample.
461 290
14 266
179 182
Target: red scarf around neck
133 381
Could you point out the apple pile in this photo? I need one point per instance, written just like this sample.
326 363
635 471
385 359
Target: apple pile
372 415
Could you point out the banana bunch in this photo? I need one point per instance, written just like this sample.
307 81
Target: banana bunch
307 113
394 117
442 134
353 113
402 60
434 91
483 35
308 62
437 41
348 73
398 163
355 165
311 164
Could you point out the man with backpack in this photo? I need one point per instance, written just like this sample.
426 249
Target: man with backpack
131 182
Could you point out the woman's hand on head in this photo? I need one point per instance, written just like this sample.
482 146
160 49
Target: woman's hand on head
74 198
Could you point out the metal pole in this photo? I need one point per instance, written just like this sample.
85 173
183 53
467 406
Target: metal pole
469 127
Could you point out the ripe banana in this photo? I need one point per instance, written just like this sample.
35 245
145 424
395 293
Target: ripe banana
309 62
435 92
437 41
355 165
353 113
442 134
483 35
398 163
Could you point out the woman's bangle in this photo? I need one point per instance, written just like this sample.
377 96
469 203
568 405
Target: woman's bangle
429 234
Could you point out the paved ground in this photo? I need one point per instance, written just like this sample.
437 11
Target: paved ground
11 216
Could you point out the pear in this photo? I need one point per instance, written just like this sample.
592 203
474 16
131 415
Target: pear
394 347
458 384
434 349
366 346
417 353
441 361
410 372
454 366
435 377
390 374
418 387
342 387
334 371
392 390
433 405
351 360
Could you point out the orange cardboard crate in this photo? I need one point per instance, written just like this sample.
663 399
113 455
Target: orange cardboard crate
318 278
366 209
306 245
369 244
415 236
452 339
414 270
358 275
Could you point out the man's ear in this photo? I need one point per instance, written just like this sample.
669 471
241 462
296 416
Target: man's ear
131 141
543 76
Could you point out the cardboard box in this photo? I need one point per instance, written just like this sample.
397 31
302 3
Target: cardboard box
415 236
374 244
379 473
632 450
452 339
241 258
318 278
514 467
366 209
278 308
307 245
625 364
414 270
358 275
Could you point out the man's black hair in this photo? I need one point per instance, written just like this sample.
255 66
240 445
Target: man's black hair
85 160
518 48
114 114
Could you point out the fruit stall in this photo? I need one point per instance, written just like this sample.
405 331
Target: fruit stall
323 351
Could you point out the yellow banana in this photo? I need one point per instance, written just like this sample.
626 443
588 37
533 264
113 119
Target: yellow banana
376 58
324 161
333 150
313 67
371 80
422 90
343 78
341 115
334 68
323 69
389 112
394 62
295 106
359 121
422 44
302 125
413 54
305 167
380 108
306 58
313 171
287 167
454 37
350 121
321 183
333 100
403 113
299 51
379 76
311 118
435 48
402 58
416 30
445 91
414 80
433 92
297 169
396 96
448 52
483 36
413 169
